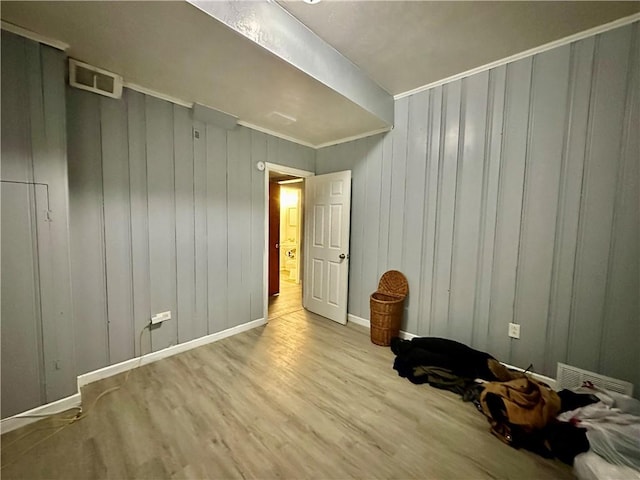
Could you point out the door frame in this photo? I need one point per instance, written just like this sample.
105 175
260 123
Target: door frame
296 172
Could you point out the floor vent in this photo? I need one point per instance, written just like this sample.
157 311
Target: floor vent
571 377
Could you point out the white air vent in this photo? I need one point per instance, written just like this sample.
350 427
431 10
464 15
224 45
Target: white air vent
571 377
93 79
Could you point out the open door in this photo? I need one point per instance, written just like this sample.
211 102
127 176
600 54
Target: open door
274 239
326 259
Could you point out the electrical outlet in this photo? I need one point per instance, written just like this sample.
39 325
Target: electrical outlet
514 330
160 317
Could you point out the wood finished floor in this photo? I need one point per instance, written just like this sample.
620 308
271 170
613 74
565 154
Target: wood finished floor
288 301
301 397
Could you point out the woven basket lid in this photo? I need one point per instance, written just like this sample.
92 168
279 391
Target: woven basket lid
394 283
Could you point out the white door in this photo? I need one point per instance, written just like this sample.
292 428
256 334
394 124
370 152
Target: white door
326 259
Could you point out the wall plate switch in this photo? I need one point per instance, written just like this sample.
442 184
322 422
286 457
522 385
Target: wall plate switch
514 330
160 317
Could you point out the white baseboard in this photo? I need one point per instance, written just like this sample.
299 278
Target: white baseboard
363 322
544 379
408 336
75 400
22 419
117 368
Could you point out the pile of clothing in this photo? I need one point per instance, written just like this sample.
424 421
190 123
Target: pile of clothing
526 413
613 432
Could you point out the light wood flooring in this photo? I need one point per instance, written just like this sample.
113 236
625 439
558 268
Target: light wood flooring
289 300
301 397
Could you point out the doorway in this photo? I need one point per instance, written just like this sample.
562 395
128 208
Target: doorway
284 225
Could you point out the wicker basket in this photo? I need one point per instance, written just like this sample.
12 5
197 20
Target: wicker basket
387 306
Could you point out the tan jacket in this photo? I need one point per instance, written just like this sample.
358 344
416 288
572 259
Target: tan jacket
528 403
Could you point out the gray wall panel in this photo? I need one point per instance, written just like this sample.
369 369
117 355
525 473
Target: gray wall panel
16 136
238 226
602 159
510 192
49 150
87 231
162 227
258 154
569 202
620 354
550 81
447 180
414 202
358 205
194 207
467 215
22 361
185 224
489 206
34 151
425 287
201 313
217 212
525 208
370 272
398 180
141 289
149 206
117 228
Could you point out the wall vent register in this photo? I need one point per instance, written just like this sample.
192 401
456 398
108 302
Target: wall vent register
94 79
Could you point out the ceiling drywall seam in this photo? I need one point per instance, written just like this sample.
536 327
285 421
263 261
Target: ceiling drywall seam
273 28
527 53
23 32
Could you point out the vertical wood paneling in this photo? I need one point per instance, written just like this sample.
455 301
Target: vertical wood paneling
509 206
540 203
162 229
569 203
370 274
526 210
427 264
468 204
398 179
358 205
602 161
447 179
201 313
385 204
141 291
22 362
49 151
86 231
193 207
258 154
414 203
117 224
488 210
239 226
217 227
620 356
16 142
185 226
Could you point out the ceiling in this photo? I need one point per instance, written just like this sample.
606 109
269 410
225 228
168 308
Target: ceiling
178 50
405 45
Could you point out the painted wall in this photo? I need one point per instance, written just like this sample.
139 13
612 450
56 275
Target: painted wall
166 213
38 362
512 196
149 211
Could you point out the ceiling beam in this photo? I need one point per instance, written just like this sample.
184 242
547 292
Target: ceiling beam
273 28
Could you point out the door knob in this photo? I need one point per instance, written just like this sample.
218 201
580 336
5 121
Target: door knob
342 256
